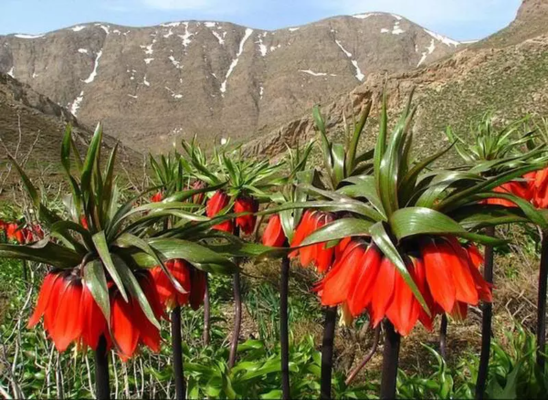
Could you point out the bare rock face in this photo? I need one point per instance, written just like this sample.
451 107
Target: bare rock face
153 86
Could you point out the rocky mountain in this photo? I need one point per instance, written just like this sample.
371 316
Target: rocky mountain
505 74
151 86
32 127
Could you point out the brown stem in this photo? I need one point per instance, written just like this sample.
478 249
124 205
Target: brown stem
177 350
541 305
391 355
102 387
327 352
486 323
207 312
237 320
443 336
368 357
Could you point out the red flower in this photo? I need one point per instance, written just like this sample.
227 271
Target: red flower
538 184
246 222
366 280
72 315
317 254
158 197
129 324
519 189
14 233
274 234
198 287
214 206
70 312
168 295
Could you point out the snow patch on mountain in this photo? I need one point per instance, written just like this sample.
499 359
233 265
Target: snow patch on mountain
93 74
234 63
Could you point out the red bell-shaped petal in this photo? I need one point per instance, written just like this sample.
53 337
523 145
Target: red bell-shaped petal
68 323
198 287
43 298
215 205
124 329
94 322
383 292
339 281
438 275
274 234
246 222
459 262
362 291
405 309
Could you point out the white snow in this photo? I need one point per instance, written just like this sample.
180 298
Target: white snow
262 47
11 72
171 24
148 60
310 72
145 82
76 103
384 30
397 30
34 75
293 29
363 16
210 24
398 17
186 37
83 51
234 63
176 63
169 33
132 96
445 40
116 31
148 49
93 74
105 28
78 28
359 75
272 48
219 37
429 50
25 36
261 92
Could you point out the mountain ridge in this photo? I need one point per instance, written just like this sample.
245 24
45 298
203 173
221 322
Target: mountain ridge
152 86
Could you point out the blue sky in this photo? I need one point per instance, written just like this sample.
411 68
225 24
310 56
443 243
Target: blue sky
459 19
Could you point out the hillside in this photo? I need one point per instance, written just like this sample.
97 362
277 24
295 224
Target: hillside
30 123
506 73
151 86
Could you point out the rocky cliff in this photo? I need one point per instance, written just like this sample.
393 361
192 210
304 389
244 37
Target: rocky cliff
151 86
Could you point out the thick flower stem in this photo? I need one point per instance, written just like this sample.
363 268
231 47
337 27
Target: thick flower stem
284 329
102 387
541 306
443 336
486 323
207 312
390 360
177 351
237 320
327 351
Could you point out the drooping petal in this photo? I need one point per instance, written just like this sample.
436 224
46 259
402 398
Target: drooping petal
459 262
460 311
383 292
338 282
419 276
68 320
404 310
247 222
94 322
438 275
274 234
125 331
43 298
198 287
361 292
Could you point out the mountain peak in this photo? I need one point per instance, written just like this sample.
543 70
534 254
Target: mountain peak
532 9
